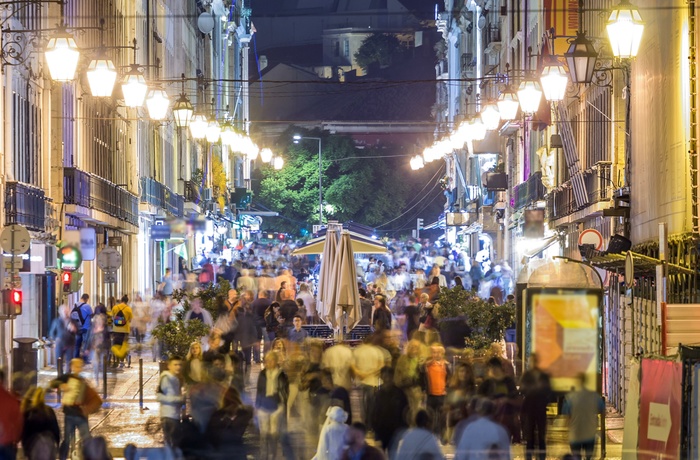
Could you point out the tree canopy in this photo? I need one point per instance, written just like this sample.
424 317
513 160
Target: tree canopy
378 48
370 190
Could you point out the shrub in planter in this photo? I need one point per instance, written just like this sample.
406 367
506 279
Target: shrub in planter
176 336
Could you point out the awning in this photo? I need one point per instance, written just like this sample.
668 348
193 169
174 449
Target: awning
643 265
360 245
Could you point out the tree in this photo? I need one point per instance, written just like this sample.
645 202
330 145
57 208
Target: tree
366 190
378 48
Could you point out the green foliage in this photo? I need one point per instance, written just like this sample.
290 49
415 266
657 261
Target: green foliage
211 296
177 335
379 48
366 190
488 322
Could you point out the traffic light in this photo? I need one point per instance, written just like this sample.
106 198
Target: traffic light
12 302
419 223
66 279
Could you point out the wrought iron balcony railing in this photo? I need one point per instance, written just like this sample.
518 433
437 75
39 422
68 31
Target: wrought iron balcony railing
157 194
599 185
528 192
84 189
26 205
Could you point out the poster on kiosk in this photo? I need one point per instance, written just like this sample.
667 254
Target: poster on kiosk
562 326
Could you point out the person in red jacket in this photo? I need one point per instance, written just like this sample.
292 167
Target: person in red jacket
10 422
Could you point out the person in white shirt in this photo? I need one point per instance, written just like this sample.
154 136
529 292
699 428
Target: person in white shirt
309 302
418 442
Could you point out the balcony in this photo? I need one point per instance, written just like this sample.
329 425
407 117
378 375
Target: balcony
192 192
28 206
528 192
157 194
599 187
93 192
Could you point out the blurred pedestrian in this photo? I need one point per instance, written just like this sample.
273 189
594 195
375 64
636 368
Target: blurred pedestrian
368 361
357 447
537 394
96 449
309 302
418 442
63 332
483 438
297 334
461 389
407 376
500 388
331 441
169 395
197 312
271 405
436 373
10 421
194 371
381 315
227 427
81 315
39 420
121 327
390 410
582 407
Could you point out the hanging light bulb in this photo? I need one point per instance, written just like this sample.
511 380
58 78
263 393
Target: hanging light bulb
490 116
554 81
62 56
101 75
157 104
625 28
134 87
266 155
278 163
529 95
198 126
508 104
213 131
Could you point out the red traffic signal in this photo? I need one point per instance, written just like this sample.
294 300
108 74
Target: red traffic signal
12 302
66 277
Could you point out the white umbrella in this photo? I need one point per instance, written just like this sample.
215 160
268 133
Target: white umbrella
325 277
346 296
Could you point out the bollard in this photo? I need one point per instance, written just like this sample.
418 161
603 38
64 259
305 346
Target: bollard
603 434
140 383
59 371
104 376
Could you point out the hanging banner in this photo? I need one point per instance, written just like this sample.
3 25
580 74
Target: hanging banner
562 16
660 409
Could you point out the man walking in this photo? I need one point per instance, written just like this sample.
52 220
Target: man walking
170 398
583 406
82 317
121 327
10 422
74 389
537 393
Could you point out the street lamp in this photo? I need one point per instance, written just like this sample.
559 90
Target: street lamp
157 104
554 81
134 87
278 163
529 95
62 56
508 104
101 75
581 57
198 126
490 116
297 138
182 109
625 28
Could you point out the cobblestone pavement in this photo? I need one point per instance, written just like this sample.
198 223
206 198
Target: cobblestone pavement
123 421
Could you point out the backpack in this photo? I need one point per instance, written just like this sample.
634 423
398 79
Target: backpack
119 319
159 390
76 315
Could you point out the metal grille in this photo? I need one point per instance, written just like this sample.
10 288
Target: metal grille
571 155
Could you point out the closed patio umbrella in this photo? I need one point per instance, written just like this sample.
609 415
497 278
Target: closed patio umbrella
346 297
326 281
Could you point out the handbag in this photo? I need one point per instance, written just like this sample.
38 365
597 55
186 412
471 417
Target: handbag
91 401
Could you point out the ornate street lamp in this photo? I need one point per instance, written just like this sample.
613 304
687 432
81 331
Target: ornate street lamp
213 131
62 56
477 130
134 87
457 139
157 104
554 81
508 104
529 95
490 116
625 28
581 58
266 155
182 109
278 163
101 75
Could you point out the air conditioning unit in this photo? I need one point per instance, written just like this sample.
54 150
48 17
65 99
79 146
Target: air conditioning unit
206 194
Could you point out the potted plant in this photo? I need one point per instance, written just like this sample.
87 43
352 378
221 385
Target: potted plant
176 336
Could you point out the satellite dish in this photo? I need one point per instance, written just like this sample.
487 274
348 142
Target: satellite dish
205 23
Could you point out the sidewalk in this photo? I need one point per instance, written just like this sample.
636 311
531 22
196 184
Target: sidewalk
121 421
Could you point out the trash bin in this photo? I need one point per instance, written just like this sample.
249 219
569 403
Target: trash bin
24 364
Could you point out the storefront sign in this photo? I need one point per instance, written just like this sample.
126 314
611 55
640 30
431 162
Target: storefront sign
88 243
160 232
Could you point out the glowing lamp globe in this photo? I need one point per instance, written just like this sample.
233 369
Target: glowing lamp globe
508 104
278 163
266 155
625 28
529 95
213 131
134 87
101 75
490 116
183 112
62 56
157 104
554 81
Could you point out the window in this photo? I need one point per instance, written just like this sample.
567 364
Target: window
346 48
336 44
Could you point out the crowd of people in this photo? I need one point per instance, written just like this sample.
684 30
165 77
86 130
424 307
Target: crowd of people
415 396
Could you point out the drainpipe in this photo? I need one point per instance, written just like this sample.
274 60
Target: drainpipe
693 144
